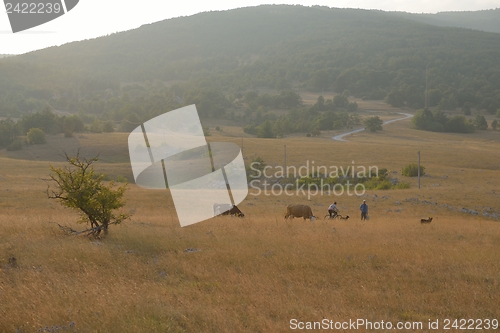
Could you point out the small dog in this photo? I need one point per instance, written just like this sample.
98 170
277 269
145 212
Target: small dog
429 220
343 217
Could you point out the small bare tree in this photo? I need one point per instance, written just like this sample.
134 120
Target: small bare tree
78 187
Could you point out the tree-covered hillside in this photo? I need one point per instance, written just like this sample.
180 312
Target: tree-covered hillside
215 57
484 20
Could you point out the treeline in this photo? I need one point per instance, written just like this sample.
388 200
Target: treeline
323 115
286 99
437 121
45 122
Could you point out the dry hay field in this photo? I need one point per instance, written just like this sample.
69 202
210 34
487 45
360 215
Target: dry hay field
257 273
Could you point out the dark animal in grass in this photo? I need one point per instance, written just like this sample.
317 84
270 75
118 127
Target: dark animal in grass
344 217
227 209
429 220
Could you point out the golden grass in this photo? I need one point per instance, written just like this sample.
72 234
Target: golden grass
255 274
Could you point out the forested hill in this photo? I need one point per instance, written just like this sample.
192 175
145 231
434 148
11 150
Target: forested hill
484 20
372 54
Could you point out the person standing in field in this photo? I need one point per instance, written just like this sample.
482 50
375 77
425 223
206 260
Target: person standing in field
364 210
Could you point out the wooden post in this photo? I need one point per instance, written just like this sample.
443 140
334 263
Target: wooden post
419 169
426 82
284 163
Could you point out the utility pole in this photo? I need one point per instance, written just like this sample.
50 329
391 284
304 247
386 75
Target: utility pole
419 169
426 83
284 163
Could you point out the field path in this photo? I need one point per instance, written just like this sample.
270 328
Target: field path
340 137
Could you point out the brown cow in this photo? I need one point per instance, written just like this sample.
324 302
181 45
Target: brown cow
299 211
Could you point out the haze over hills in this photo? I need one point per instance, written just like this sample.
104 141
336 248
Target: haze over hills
484 20
215 56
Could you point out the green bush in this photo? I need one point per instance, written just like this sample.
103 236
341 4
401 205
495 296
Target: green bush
466 108
480 122
384 185
77 186
16 145
255 168
121 179
402 185
36 136
373 124
108 127
458 124
95 127
411 170
250 129
435 127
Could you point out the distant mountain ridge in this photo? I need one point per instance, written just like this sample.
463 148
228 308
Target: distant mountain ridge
483 20
371 54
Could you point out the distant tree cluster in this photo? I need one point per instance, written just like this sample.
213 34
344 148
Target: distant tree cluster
286 99
321 116
51 123
373 124
437 121
35 126
9 131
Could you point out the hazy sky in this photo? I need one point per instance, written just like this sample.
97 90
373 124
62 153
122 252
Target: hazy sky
94 18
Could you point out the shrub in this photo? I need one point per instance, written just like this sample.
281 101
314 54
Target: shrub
435 127
466 108
121 179
254 170
480 122
16 145
403 185
36 136
79 188
250 129
384 185
108 127
73 124
411 170
373 124
458 124
96 127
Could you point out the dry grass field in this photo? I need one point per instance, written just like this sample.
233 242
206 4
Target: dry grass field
257 273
